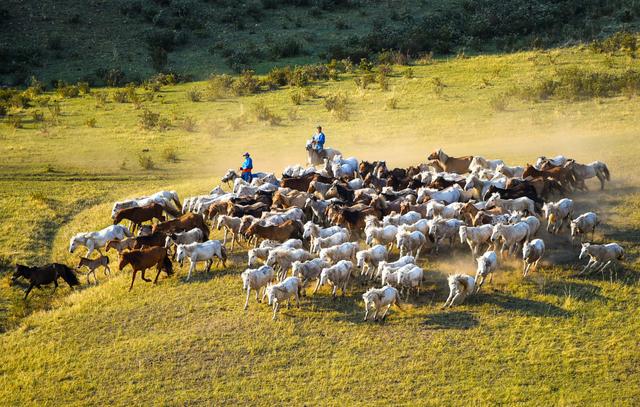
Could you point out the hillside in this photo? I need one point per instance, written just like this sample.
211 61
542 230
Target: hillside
92 40
553 338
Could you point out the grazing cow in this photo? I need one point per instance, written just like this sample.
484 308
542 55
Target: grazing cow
93 264
45 275
487 264
601 256
584 224
282 291
256 279
337 276
379 298
368 259
558 214
460 287
532 252
140 214
205 251
142 259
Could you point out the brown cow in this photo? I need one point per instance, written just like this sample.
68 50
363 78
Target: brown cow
142 259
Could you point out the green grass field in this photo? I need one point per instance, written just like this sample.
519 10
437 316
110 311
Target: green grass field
551 339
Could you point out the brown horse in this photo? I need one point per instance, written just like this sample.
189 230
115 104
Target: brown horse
459 165
291 229
142 259
185 222
563 175
44 275
140 214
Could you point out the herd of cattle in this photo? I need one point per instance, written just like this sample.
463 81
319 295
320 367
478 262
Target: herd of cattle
344 223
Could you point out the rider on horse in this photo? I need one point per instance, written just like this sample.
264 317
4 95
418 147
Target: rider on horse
319 139
246 168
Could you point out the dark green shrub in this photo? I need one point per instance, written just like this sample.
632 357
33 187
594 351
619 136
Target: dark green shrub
111 77
149 120
194 95
245 84
287 48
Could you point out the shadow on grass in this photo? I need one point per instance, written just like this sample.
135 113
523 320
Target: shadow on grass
451 320
580 291
521 306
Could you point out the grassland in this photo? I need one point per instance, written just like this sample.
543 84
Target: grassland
550 339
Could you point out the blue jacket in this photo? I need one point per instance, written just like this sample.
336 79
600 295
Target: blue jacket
247 164
320 138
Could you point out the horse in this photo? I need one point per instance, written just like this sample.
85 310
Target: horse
185 222
44 275
315 157
459 165
140 214
93 264
582 172
168 199
232 175
142 259
96 240
563 175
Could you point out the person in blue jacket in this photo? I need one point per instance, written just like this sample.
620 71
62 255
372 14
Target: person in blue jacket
246 168
319 139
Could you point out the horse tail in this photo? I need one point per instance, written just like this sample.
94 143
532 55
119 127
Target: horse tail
68 275
167 265
605 170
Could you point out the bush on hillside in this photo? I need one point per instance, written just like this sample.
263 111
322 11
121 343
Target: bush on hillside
337 104
146 162
287 48
263 114
194 95
246 84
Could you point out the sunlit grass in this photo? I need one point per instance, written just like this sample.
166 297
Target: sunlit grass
552 339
